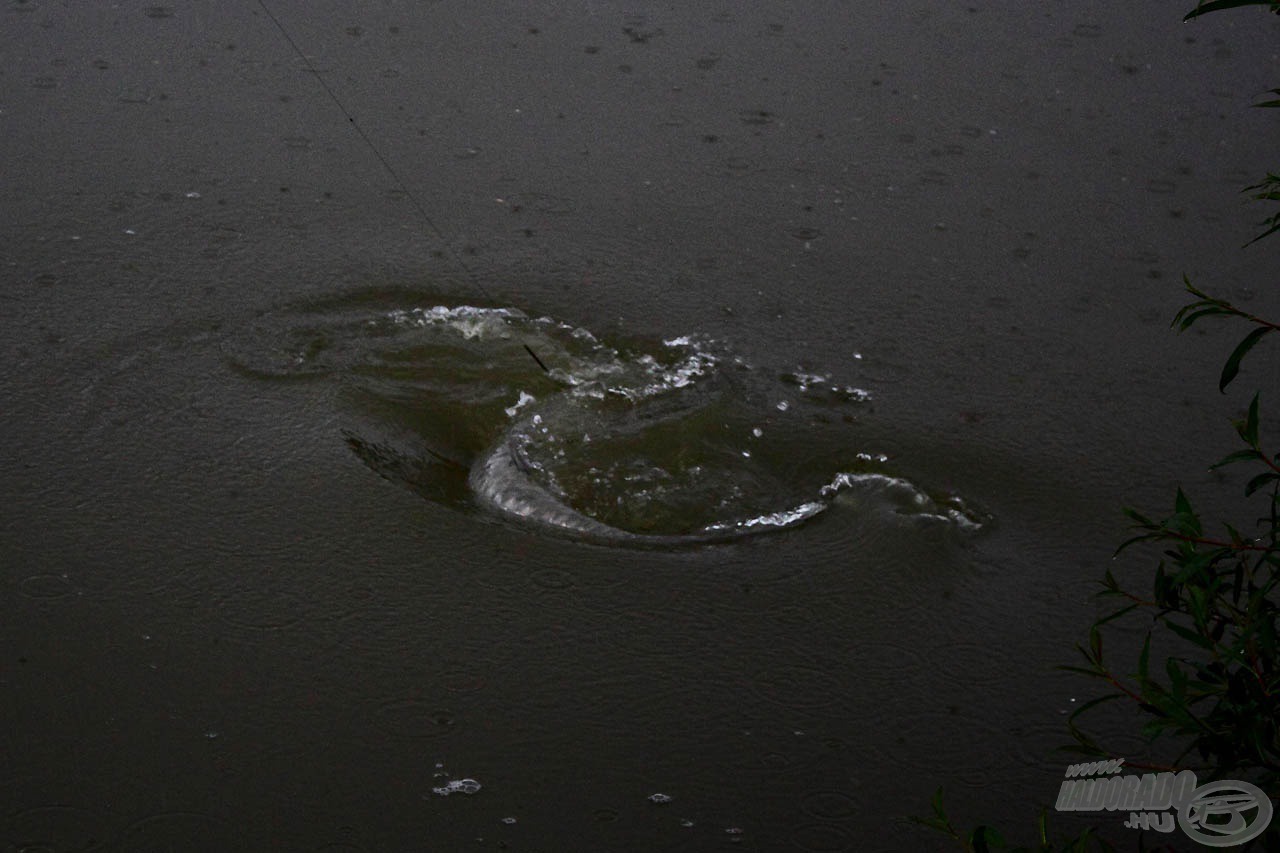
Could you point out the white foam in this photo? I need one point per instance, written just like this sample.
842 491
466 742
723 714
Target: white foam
525 399
468 320
779 520
457 786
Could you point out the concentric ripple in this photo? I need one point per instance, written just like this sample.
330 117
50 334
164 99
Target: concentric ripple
623 442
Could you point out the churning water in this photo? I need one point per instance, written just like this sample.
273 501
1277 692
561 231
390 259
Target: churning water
635 442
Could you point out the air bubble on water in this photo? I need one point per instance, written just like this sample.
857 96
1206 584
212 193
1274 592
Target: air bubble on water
508 820
757 432
783 406
660 798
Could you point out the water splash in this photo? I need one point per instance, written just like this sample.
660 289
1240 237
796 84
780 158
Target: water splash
616 441
457 786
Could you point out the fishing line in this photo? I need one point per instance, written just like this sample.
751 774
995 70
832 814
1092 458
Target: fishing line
386 165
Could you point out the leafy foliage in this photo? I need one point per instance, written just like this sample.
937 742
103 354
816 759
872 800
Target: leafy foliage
1268 189
1221 697
985 838
1212 600
1209 306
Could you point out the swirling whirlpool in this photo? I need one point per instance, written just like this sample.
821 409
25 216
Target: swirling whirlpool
642 443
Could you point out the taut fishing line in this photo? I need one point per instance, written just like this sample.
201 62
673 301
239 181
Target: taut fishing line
386 164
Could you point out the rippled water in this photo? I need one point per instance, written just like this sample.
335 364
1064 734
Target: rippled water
226 324
638 442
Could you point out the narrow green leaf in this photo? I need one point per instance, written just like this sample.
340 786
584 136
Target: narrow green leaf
1250 433
1138 517
1136 539
1219 5
1232 367
1184 322
1273 229
1189 635
1198 304
1109 580
1238 585
1115 615
1177 678
1259 481
1239 455
1079 670
1270 179
1154 692
984 838
1092 703
1191 288
932 823
1144 657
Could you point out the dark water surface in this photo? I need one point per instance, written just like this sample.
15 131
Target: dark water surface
854 328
